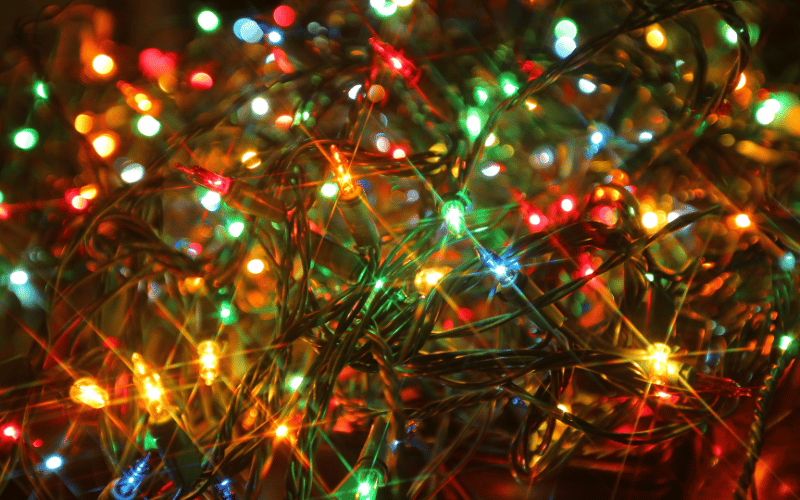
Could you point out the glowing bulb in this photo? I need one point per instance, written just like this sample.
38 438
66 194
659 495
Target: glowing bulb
535 219
491 140
474 124
281 431
481 96
427 279
784 342
742 81
566 28
209 360
329 189
84 123
764 116
509 88
454 216
343 179
259 105
730 35
207 20
645 136
564 46
132 173
586 86
211 201
147 125
255 266
145 105
104 145
53 462
383 8
235 229
567 204
86 391
26 138
40 89
659 366
742 221
504 270
655 38
274 37
11 431
649 220
150 387
102 64
296 382
491 170
201 81
369 480
353 92
596 138
18 277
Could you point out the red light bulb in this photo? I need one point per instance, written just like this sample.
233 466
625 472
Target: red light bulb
201 81
202 177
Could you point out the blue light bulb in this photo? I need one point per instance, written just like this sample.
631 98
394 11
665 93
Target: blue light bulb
128 485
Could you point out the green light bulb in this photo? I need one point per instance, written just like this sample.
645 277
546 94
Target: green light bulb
235 229
454 213
566 28
208 21
26 138
369 481
40 90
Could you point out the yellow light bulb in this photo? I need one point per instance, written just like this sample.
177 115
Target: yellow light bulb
281 431
86 391
151 389
102 64
660 368
104 145
427 279
650 220
742 221
209 360
346 186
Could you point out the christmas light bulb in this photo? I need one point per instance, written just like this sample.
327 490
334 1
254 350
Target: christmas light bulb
660 368
224 490
453 212
394 59
348 189
784 342
86 391
427 278
369 480
151 389
371 470
209 360
504 270
202 177
742 221
127 487
237 194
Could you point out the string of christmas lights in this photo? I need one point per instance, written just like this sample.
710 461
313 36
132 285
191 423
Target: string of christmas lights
353 250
